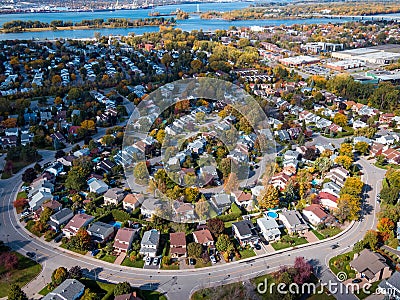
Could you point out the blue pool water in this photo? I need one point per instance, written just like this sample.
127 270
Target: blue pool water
314 182
272 214
116 224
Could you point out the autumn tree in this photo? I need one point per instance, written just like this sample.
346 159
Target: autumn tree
371 239
29 175
352 186
216 226
59 275
9 260
88 125
194 250
224 243
385 225
340 119
348 207
268 198
231 183
141 173
346 149
344 161
362 148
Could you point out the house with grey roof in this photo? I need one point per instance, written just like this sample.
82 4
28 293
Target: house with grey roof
221 202
331 188
149 243
293 222
269 228
69 289
392 286
150 206
370 265
60 218
101 232
245 232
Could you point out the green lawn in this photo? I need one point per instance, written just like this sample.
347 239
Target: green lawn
341 263
107 258
318 235
134 264
102 289
371 290
321 297
22 194
288 241
73 249
246 253
330 231
223 292
201 264
151 295
44 291
173 266
26 271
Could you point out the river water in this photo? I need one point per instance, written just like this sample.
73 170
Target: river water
193 23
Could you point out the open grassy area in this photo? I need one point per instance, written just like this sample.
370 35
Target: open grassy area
16 166
107 258
246 253
341 263
173 266
151 295
221 292
288 241
330 231
318 235
27 270
102 289
44 291
73 249
139 263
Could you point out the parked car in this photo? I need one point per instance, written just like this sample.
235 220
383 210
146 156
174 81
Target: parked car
156 261
147 262
357 280
213 260
257 246
95 252
192 261
58 238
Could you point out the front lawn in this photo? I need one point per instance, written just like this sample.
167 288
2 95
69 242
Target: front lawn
107 258
330 231
341 263
318 235
139 263
200 263
371 290
288 241
65 246
246 253
27 270
222 292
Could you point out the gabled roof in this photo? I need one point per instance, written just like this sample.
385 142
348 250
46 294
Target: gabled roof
369 263
203 236
177 239
244 227
316 210
151 237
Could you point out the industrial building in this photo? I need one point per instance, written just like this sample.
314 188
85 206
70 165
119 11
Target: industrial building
320 47
381 55
345 64
301 60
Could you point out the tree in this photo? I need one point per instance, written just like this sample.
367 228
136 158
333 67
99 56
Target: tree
29 175
385 225
83 239
340 119
371 239
268 198
107 140
348 207
88 125
20 203
310 154
9 260
303 270
122 288
89 295
191 194
225 166
216 226
76 178
59 275
362 147
45 215
74 93
352 186
194 250
231 184
16 293
346 149
141 173
224 243
323 164
75 272
359 246
201 208
344 160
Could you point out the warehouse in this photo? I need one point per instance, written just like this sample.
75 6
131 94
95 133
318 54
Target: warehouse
299 60
345 64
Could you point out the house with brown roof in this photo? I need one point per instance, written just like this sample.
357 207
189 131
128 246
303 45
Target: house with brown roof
243 199
327 200
315 214
124 238
391 155
204 237
371 266
77 222
113 196
386 118
132 201
183 211
376 149
177 244
280 180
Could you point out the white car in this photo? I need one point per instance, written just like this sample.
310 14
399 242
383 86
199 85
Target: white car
213 260
155 261
147 262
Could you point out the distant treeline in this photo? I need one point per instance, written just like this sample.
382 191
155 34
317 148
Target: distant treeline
19 25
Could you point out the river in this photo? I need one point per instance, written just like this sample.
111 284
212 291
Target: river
193 23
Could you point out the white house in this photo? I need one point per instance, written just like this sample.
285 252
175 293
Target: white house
269 228
314 214
97 186
149 243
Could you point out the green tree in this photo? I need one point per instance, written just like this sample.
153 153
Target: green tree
76 178
74 93
141 173
224 243
362 148
344 161
59 275
122 288
45 215
194 250
16 293
371 239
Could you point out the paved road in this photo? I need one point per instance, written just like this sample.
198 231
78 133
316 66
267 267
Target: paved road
180 284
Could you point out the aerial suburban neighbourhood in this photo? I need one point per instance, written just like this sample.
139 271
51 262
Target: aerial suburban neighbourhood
188 151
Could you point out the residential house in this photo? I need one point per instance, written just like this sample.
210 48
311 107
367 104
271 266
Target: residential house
392 286
269 228
280 180
386 118
243 199
293 222
357 124
149 243
69 289
60 218
101 232
150 206
221 202
370 265
245 232
97 186
132 201
314 214
204 237
376 149
338 175
113 196
177 244
66 160
183 211
331 188
77 222
105 165
391 155
327 200
82 152
124 238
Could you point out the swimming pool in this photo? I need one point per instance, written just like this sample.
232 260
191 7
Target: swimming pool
314 182
272 214
116 224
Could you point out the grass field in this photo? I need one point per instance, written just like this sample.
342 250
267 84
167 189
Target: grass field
134 264
288 241
27 270
341 263
107 258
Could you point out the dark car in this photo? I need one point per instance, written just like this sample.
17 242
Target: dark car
58 238
357 280
95 251
257 246
192 261
334 246
31 254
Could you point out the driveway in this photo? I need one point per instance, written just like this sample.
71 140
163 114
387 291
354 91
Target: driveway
310 237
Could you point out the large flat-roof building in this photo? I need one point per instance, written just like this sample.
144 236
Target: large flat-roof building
381 55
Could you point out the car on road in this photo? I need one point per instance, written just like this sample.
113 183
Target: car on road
213 260
156 260
334 246
31 254
357 280
147 262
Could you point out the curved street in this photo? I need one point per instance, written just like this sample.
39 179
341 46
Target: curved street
181 283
